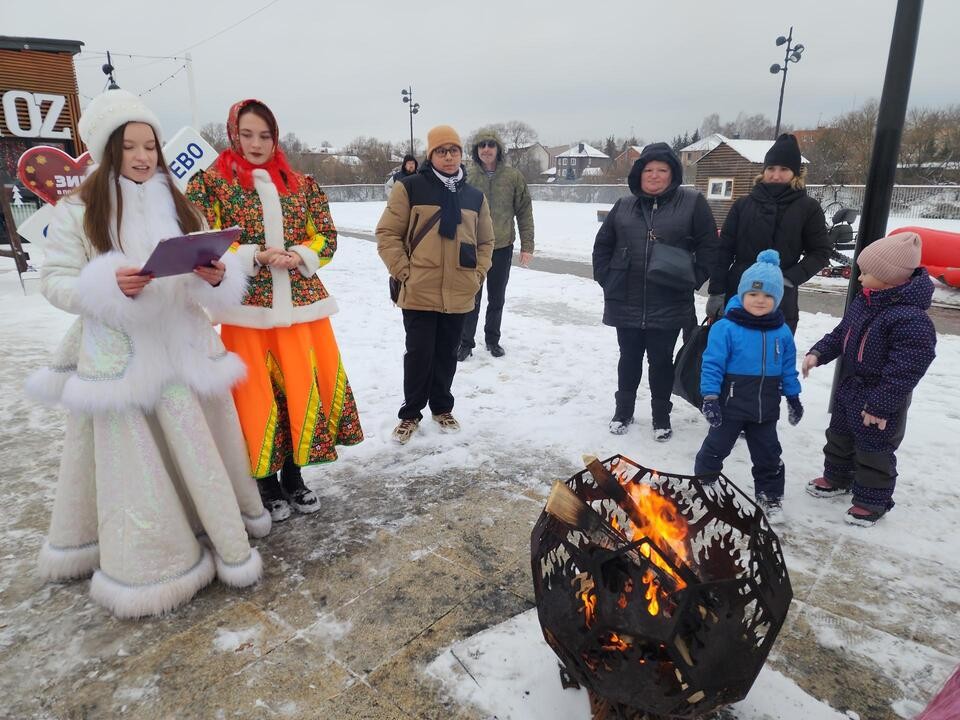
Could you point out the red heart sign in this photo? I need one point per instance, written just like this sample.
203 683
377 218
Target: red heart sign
50 173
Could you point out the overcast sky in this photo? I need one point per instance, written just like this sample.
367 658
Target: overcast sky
573 70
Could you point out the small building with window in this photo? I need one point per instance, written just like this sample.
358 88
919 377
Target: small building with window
571 163
727 172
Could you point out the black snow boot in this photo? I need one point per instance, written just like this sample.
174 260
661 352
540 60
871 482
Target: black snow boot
302 498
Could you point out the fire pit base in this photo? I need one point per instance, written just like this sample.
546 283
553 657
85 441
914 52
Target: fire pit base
601 709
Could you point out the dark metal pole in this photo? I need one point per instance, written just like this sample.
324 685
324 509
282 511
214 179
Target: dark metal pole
783 83
410 110
886 142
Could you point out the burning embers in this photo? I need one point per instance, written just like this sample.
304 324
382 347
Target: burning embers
658 593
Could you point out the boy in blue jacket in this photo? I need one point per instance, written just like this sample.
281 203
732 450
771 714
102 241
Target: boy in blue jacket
749 362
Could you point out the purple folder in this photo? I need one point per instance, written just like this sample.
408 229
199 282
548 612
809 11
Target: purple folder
181 254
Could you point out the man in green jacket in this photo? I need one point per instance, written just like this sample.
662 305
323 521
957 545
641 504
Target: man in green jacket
508 197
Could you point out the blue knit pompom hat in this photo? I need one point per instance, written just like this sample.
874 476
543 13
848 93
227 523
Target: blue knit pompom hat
763 276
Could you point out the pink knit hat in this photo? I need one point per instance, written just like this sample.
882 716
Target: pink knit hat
891 259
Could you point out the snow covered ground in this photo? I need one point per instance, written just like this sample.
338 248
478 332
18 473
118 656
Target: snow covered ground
566 231
549 400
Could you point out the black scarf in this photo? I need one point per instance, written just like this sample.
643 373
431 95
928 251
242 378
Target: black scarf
770 321
450 215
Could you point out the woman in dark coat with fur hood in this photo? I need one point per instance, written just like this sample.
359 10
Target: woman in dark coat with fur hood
777 214
648 301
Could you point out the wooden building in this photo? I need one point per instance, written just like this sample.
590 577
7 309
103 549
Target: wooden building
727 172
39 100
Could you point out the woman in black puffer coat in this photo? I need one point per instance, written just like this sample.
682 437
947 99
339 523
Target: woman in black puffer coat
777 214
649 309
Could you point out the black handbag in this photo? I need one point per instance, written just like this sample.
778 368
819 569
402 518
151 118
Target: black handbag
671 266
686 366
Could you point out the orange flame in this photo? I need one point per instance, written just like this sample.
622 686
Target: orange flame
615 643
664 526
587 596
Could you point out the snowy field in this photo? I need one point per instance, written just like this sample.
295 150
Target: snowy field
566 231
549 400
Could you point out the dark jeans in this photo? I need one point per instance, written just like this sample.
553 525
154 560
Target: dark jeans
658 346
430 361
764 447
496 296
863 458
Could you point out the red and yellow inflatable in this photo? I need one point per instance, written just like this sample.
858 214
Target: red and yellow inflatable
940 254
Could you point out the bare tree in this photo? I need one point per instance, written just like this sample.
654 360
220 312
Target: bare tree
215 134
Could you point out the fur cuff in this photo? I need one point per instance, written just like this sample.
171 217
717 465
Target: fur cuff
134 601
241 574
245 254
309 260
230 291
46 385
56 563
258 526
100 297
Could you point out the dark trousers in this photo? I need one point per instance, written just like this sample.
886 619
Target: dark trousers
496 296
764 447
863 458
430 361
658 346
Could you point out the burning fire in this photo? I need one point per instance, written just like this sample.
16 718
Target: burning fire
664 526
587 596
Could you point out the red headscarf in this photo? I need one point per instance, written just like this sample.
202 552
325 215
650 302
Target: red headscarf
232 163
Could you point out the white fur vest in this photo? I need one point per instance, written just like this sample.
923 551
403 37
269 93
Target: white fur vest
123 351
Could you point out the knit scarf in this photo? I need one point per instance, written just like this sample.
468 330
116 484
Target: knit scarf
450 215
770 321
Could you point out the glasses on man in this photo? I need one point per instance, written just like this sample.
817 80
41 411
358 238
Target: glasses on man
448 151
487 144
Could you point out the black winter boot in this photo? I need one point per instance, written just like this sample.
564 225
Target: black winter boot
302 498
272 497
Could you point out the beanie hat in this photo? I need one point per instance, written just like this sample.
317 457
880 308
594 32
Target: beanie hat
763 276
442 135
109 111
891 259
786 152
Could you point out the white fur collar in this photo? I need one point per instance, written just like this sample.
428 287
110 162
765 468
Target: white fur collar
149 215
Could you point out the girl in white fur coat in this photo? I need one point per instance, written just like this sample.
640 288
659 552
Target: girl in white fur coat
154 495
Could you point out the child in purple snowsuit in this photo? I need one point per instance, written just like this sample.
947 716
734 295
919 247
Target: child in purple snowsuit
885 343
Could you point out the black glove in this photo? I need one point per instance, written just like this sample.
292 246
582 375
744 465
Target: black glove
711 411
794 410
715 305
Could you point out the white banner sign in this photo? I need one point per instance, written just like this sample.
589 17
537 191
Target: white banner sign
187 154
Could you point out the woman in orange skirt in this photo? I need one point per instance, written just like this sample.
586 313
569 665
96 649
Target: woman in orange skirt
295 404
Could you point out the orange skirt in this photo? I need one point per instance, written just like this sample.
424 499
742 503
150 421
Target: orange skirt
296 399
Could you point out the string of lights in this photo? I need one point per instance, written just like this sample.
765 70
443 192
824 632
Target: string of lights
166 80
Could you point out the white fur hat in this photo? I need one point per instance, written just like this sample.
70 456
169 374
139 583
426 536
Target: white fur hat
107 112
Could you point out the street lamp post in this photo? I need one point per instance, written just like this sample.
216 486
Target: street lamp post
793 54
407 96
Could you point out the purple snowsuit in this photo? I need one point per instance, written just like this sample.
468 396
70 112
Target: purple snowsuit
886 343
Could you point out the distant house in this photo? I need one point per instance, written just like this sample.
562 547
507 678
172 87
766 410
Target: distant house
727 172
625 160
808 138
571 163
694 151
334 154
531 160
